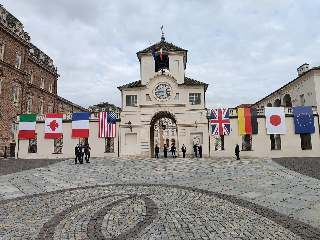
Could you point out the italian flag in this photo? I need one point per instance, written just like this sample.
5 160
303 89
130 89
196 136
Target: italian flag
27 126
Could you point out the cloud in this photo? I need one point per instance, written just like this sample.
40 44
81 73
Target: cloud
244 50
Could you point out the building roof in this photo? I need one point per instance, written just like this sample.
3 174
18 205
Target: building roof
187 81
164 45
71 103
244 105
311 69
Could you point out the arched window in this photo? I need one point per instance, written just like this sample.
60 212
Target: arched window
269 105
277 103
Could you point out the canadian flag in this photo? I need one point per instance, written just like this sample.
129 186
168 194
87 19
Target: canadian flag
53 125
275 120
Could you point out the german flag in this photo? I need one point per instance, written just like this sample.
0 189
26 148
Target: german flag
247 118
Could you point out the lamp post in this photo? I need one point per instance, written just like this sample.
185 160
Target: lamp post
129 124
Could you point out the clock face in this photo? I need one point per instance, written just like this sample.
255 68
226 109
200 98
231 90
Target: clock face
162 91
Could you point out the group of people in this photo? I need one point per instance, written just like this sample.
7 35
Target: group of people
197 150
173 150
80 151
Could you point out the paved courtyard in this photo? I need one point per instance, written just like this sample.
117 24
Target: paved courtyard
145 198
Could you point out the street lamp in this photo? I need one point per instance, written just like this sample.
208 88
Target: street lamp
129 124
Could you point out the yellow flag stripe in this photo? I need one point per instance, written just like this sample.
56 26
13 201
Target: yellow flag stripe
242 127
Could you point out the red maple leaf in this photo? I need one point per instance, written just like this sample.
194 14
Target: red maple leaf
53 125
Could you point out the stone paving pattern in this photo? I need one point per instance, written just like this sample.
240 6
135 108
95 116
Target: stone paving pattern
306 166
144 198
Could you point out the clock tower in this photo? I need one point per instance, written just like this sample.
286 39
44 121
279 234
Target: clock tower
163 95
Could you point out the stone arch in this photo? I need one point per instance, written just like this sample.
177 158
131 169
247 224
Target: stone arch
287 101
277 103
157 116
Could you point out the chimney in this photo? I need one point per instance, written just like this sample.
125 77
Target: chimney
302 69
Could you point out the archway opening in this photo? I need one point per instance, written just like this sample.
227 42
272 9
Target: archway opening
277 103
287 101
162 130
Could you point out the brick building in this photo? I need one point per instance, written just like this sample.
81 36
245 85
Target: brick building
28 80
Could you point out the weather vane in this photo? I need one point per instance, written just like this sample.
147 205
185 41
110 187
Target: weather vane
162 37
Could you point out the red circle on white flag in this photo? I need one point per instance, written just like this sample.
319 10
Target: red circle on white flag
275 120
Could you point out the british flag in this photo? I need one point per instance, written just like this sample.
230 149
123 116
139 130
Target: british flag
220 121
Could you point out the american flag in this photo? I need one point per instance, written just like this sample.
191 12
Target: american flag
107 124
220 121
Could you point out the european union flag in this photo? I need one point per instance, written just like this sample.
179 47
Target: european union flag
303 119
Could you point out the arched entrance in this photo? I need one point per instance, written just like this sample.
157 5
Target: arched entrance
162 126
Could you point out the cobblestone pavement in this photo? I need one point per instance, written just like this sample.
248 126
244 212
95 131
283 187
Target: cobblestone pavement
306 166
144 198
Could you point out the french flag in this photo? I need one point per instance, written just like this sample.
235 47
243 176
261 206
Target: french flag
80 125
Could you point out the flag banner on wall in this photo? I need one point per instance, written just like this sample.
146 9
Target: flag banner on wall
247 119
275 120
27 126
107 124
303 119
80 125
53 125
220 122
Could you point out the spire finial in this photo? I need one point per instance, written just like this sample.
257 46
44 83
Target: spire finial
162 37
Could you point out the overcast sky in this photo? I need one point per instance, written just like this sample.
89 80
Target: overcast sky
243 49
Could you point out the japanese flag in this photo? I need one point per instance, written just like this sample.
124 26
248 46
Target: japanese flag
275 119
53 125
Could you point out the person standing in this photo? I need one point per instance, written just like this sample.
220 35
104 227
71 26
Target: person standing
77 153
237 151
81 154
184 149
200 151
165 149
87 152
156 150
195 149
173 150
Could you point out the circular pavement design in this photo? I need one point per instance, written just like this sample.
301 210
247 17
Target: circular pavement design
143 211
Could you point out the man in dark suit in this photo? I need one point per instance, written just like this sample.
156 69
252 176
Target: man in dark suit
165 150
81 154
183 149
77 153
156 150
237 151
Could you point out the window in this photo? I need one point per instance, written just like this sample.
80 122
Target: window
50 87
40 107
109 145
306 141
29 105
246 142
176 97
83 141
13 124
131 100
58 144
33 146
194 98
219 142
49 108
41 83
1 15
275 141
302 100
18 60
15 93
30 76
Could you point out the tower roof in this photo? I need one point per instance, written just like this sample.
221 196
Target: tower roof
164 45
